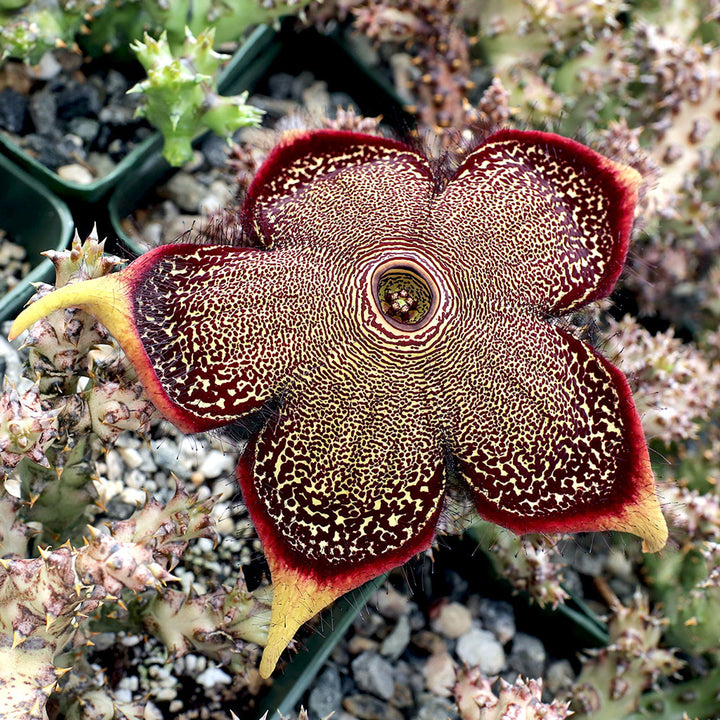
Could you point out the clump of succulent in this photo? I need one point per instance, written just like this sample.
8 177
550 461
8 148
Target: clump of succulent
686 580
346 471
625 680
45 601
531 563
181 96
61 581
613 678
523 699
678 387
29 28
433 75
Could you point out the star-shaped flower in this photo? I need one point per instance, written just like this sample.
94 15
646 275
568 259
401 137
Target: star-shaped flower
395 331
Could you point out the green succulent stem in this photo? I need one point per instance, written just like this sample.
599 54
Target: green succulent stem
180 93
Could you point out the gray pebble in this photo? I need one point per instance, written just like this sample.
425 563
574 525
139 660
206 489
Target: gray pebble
43 111
13 107
395 643
84 127
527 655
185 191
326 695
367 707
499 618
215 151
373 674
480 647
431 707
217 463
559 677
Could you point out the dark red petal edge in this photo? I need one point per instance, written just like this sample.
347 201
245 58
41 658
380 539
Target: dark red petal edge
619 182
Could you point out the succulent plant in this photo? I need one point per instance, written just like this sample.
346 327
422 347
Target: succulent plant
181 94
45 601
613 678
30 28
61 576
522 700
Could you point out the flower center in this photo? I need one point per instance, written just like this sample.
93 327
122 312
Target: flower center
405 294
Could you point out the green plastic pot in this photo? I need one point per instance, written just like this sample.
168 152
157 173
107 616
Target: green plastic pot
35 219
254 50
326 56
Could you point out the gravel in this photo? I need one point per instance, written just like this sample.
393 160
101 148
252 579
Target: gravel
326 695
71 115
480 647
373 674
528 655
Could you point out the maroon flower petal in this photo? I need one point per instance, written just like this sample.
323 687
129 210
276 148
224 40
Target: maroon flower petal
345 484
335 191
548 438
545 219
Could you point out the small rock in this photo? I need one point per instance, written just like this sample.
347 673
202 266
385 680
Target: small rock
217 463
452 621
498 617
84 127
559 677
439 674
280 85
374 674
215 151
527 655
326 695
131 457
390 603
402 697
114 465
340 654
213 676
368 624
359 644
13 107
116 85
480 647
429 642
395 643
48 67
185 191
78 100
75 173
101 163
118 115
43 111
367 707
431 707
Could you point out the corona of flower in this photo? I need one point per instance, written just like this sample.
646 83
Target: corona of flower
397 326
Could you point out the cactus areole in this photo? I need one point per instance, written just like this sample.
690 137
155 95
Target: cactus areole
398 324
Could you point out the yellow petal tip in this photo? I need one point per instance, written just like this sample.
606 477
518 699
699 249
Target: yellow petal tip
644 519
296 599
104 297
